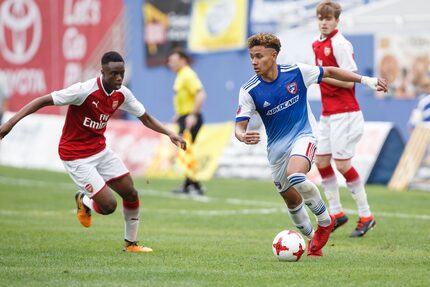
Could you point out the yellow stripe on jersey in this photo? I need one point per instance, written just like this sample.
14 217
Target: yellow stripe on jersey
186 86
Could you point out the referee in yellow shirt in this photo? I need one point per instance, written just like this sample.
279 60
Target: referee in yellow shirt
188 101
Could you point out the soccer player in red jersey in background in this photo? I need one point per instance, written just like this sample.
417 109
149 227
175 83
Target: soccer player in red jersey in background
341 123
92 165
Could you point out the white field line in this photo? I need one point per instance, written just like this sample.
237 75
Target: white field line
265 207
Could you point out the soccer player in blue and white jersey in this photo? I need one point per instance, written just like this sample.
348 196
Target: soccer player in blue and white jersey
278 93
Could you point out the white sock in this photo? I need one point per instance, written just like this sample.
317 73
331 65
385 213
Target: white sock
131 220
300 218
312 197
88 202
359 195
331 190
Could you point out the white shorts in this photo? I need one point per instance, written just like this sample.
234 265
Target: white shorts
338 134
304 147
92 173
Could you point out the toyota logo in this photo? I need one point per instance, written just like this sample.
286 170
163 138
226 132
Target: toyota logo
20 30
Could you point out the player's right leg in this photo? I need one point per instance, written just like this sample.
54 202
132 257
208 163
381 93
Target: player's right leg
331 189
93 192
323 163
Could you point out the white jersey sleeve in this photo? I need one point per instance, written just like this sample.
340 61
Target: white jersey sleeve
131 104
311 74
75 94
344 54
246 106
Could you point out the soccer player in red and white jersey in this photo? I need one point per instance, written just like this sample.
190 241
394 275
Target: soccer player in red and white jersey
94 168
341 123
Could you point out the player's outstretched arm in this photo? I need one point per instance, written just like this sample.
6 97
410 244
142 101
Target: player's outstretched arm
29 108
155 125
348 76
248 137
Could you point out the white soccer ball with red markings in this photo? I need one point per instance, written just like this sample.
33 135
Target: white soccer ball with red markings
288 245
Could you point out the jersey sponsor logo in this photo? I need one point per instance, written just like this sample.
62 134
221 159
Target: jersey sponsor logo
266 104
327 51
88 122
292 88
96 104
89 188
239 108
114 104
283 106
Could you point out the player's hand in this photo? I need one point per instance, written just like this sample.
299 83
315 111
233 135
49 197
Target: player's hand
190 121
251 137
382 85
178 141
375 83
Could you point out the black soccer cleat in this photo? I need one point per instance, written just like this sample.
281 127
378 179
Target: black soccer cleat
363 226
341 220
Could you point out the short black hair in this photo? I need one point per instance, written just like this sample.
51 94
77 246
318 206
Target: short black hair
181 53
111 56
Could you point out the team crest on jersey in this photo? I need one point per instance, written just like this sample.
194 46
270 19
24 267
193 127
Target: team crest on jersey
292 88
239 108
327 51
89 188
114 104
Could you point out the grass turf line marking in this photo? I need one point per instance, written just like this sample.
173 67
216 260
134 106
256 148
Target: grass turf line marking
204 199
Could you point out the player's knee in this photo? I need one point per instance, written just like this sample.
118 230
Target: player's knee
342 168
131 195
109 207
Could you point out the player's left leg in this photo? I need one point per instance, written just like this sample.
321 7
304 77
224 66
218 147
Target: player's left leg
299 164
118 178
346 135
131 211
356 187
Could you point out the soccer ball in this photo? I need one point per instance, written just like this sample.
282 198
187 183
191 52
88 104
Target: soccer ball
288 245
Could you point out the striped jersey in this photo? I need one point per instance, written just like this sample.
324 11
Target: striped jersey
282 105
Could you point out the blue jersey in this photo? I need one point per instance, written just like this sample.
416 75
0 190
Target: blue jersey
282 105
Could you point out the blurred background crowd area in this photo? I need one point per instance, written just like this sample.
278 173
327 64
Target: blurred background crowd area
46 45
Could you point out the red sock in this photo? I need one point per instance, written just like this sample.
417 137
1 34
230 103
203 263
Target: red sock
326 172
351 175
130 204
96 207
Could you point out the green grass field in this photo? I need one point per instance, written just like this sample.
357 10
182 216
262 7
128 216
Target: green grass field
223 239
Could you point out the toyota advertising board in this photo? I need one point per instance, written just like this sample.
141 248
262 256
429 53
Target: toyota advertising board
47 45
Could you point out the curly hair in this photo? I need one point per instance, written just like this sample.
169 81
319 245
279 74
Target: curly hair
266 40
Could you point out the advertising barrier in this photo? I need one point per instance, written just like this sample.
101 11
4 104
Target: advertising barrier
33 143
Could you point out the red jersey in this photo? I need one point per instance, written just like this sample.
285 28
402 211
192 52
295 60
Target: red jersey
336 51
90 108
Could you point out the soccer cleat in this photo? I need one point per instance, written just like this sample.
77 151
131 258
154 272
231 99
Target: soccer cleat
321 236
83 213
134 247
364 224
314 253
340 219
181 190
195 189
